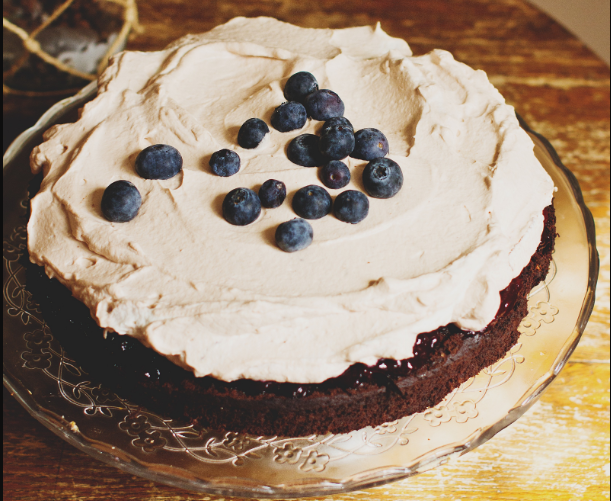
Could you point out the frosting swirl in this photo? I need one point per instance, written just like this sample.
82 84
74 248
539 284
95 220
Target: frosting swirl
223 300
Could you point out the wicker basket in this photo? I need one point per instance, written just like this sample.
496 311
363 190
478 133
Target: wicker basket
57 52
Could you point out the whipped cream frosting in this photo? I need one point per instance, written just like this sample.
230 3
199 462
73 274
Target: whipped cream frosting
223 300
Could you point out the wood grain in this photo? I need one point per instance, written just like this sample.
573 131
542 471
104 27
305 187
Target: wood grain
559 450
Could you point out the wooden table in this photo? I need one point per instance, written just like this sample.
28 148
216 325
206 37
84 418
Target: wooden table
559 450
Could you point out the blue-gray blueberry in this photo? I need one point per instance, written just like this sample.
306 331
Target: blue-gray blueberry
304 150
159 161
312 202
241 206
369 144
272 193
225 163
382 178
121 202
335 174
294 235
336 121
299 86
336 142
351 206
252 133
289 116
324 104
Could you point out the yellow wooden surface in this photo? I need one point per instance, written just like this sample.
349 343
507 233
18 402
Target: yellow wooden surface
559 450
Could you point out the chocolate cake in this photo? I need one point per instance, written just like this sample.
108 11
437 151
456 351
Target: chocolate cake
227 311
443 359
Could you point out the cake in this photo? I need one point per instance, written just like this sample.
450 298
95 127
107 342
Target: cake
371 322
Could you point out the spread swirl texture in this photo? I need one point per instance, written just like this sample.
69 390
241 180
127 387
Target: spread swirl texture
223 300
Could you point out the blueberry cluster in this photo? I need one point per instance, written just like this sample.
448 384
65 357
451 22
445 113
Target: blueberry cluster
382 177
121 200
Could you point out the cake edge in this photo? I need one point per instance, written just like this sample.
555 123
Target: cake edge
336 410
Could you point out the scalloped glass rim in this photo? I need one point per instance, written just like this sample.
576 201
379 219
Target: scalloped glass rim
305 485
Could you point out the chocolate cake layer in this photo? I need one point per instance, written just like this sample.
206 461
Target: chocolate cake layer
362 396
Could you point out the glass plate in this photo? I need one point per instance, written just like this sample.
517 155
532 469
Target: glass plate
59 394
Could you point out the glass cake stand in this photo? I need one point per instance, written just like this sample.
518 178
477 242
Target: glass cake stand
59 394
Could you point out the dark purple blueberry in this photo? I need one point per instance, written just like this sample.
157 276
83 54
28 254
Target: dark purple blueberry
335 175
252 133
382 178
324 104
121 202
160 161
369 144
294 235
241 206
304 150
272 193
225 163
312 202
351 206
299 86
289 116
336 142
337 121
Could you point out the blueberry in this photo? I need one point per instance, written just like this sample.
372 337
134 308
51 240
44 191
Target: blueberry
289 116
252 133
369 144
335 175
351 206
294 235
312 202
241 206
225 163
336 121
324 104
160 161
382 178
336 142
305 150
272 193
121 202
299 86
